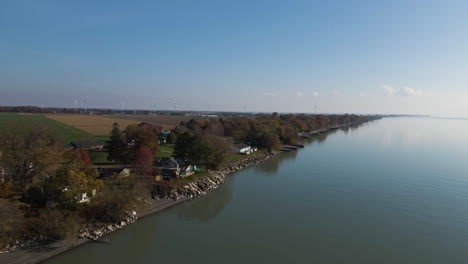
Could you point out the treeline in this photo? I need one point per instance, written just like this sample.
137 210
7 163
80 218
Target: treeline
269 131
207 142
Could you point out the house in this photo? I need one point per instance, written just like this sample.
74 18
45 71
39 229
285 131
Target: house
173 168
242 149
88 145
144 124
84 198
163 136
186 171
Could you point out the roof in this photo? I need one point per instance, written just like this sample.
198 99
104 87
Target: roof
241 146
169 162
144 124
87 144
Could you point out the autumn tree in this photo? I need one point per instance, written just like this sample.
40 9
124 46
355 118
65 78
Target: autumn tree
138 136
84 157
144 160
29 152
68 186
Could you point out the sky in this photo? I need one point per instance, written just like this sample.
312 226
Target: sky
376 57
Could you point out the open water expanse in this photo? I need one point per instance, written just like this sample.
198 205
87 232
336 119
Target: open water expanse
390 191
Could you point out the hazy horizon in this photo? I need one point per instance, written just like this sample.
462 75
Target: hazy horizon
399 57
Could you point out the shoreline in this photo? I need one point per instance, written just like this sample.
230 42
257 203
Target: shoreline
43 251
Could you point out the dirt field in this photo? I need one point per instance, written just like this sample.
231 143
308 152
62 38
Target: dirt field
96 125
156 120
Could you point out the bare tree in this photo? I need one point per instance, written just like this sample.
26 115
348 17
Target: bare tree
29 152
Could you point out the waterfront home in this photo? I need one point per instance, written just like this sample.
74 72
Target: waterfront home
242 149
173 168
186 171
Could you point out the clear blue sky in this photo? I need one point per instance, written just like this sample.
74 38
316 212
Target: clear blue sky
346 56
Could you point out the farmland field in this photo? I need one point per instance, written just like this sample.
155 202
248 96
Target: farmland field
167 121
65 132
93 124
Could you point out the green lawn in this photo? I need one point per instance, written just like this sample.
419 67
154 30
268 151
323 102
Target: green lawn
99 157
233 157
165 150
64 132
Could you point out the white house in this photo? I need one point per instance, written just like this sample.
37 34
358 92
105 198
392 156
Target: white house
242 149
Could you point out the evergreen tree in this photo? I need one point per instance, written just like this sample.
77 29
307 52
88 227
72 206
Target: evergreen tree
116 147
185 147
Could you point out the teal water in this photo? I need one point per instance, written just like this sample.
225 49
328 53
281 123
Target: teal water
391 191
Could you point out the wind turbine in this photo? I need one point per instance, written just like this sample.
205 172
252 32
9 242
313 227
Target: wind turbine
122 107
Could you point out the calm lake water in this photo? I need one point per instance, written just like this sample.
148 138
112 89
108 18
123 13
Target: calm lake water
391 191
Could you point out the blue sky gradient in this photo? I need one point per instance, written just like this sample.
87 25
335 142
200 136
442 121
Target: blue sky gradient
346 56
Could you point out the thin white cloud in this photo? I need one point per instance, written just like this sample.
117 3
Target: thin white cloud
298 93
412 92
390 90
405 91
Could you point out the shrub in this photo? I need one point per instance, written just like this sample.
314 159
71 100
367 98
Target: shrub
56 224
11 223
5 189
116 201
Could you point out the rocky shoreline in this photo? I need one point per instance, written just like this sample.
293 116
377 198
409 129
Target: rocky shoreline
214 179
94 231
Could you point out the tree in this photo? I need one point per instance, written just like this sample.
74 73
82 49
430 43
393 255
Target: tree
172 138
138 136
84 157
144 160
271 142
185 147
29 152
68 185
116 147
212 150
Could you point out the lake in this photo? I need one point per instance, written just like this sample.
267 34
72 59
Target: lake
389 191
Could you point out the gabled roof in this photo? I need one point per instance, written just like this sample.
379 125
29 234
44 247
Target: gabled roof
241 146
169 163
